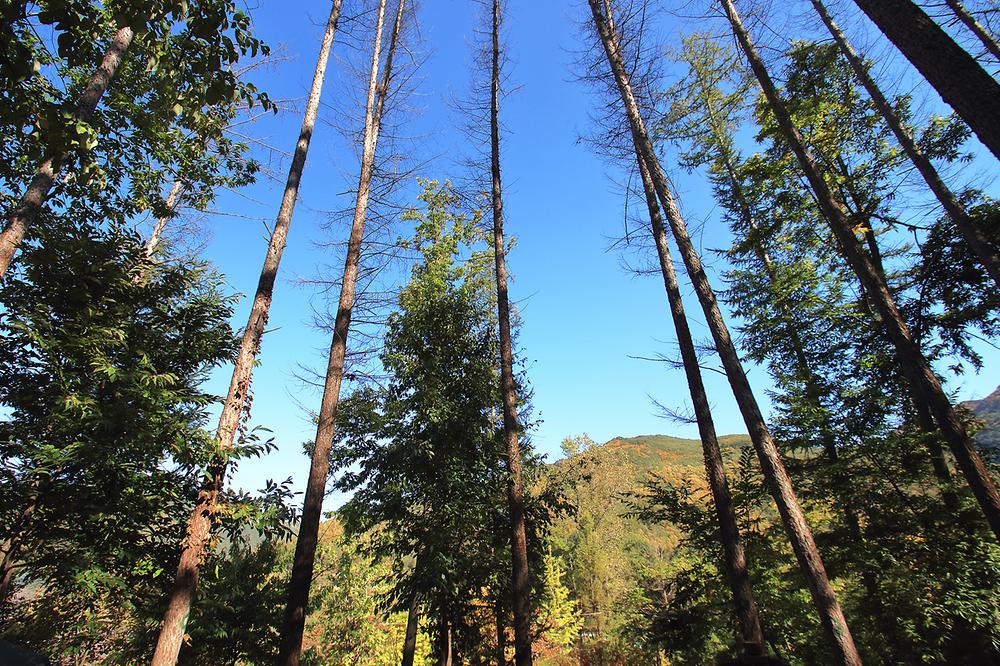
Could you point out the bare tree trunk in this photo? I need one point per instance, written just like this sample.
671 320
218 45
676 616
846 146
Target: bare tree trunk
499 615
410 639
772 467
444 642
161 222
975 26
41 184
312 508
200 523
511 428
12 545
958 78
973 235
924 383
732 544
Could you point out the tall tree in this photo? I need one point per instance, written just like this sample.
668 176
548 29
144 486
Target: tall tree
780 486
237 400
925 386
958 78
105 428
748 618
973 234
418 453
305 545
511 427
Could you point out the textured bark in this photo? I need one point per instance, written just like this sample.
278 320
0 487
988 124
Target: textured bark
312 508
924 384
410 639
41 184
975 26
732 544
511 428
772 467
973 235
959 79
200 522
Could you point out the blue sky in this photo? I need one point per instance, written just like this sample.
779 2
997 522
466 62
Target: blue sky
584 317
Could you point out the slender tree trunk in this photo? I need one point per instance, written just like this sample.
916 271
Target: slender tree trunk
12 545
499 615
161 222
200 523
923 382
813 392
410 639
312 508
41 184
773 469
511 427
444 642
732 544
974 237
975 26
958 78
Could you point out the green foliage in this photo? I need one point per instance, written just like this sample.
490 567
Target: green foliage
606 552
859 460
242 594
163 117
103 441
103 354
349 623
557 616
422 453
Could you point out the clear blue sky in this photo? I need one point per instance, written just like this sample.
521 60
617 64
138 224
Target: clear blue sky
584 317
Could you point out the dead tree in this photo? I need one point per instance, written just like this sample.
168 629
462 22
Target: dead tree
200 523
511 427
305 546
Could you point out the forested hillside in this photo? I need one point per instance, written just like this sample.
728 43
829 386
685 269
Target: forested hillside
363 270
987 410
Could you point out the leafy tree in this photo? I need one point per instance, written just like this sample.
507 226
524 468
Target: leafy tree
104 435
168 89
351 623
421 453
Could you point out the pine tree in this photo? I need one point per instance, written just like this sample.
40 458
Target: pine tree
925 386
